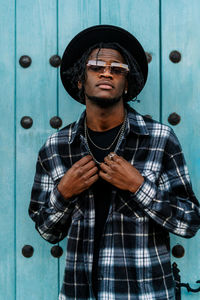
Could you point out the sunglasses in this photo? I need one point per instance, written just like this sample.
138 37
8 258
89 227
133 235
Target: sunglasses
99 66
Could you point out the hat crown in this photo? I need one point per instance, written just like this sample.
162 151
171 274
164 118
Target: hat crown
94 35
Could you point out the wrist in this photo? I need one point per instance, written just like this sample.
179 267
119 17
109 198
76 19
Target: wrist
134 187
61 190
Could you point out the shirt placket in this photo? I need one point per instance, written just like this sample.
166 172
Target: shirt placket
89 225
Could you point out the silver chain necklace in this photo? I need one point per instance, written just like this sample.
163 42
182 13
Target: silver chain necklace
101 148
120 134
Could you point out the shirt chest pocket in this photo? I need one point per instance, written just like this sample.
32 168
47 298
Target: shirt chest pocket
125 203
128 207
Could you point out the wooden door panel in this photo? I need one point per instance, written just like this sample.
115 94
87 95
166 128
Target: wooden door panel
41 29
180 94
74 16
36 96
142 20
7 151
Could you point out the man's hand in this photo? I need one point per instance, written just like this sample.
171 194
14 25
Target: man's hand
121 173
79 177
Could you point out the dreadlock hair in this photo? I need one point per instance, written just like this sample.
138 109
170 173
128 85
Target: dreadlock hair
77 72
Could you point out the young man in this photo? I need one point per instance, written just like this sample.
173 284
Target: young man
114 182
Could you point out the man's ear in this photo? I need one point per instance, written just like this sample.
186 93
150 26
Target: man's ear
79 85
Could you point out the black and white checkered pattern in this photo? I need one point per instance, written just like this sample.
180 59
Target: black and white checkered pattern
134 259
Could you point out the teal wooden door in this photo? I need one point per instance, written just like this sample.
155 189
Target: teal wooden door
41 29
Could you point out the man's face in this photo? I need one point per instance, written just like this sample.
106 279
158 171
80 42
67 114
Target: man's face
105 85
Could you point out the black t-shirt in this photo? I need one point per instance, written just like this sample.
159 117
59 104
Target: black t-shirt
101 190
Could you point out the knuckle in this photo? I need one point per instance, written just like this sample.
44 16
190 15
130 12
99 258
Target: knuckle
95 169
79 171
92 164
76 165
111 172
107 161
86 183
118 160
114 167
84 177
88 159
96 177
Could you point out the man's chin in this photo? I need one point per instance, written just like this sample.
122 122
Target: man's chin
103 102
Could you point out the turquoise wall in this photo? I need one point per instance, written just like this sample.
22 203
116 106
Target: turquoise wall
40 29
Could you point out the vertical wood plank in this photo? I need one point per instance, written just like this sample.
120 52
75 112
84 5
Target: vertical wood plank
180 89
7 150
74 16
37 277
142 20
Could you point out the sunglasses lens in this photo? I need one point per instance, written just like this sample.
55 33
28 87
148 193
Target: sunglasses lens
118 70
97 69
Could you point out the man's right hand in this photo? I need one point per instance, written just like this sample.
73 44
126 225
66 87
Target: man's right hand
79 177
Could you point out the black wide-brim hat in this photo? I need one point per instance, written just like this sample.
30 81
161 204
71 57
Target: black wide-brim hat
98 34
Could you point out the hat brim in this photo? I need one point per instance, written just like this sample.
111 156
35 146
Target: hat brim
97 34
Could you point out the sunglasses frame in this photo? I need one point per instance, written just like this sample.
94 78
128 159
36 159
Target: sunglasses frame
99 66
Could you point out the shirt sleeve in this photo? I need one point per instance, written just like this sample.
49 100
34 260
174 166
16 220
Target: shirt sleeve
48 208
170 200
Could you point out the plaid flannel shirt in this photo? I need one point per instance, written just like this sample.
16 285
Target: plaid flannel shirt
134 259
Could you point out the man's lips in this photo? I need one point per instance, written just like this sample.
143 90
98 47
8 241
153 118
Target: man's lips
105 85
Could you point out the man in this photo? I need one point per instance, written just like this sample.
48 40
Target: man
114 182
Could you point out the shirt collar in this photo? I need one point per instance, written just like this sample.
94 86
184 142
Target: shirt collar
78 128
135 124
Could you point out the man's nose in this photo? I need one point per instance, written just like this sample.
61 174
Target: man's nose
106 72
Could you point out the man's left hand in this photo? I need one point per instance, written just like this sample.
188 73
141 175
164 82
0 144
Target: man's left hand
120 173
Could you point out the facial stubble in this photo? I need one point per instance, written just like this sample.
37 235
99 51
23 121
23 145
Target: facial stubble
103 102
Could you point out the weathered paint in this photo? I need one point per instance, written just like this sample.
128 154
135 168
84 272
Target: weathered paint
41 29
